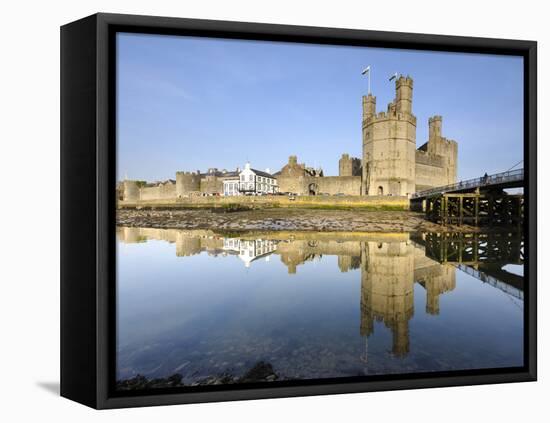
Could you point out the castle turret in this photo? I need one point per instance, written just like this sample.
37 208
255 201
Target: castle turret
344 165
349 166
131 190
404 95
187 182
369 106
445 149
435 123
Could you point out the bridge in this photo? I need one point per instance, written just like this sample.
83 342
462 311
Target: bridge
477 202
498 181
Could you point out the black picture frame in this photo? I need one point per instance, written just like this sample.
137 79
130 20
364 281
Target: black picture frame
88 205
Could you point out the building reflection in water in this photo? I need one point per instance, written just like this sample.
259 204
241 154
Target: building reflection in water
389 265
250 250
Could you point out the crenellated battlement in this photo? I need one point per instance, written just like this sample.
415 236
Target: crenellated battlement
404 81
385 116
449 142
187 173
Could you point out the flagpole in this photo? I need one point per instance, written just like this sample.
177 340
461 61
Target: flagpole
367 72
370 71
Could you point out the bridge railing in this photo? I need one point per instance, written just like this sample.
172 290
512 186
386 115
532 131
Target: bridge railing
496 179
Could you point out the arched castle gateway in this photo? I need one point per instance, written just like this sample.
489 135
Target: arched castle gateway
390 163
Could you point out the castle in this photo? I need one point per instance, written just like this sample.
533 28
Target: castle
390 163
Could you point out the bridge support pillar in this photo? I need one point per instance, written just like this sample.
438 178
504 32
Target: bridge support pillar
475 209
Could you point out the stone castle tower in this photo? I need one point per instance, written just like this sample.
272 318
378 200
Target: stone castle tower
187 182
349 166
436 159
389 144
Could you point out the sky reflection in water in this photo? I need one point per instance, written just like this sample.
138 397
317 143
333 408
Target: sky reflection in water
312 305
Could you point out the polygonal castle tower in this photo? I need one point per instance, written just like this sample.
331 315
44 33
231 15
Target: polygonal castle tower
389 144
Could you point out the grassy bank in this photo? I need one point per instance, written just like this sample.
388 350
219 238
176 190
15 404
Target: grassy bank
231 204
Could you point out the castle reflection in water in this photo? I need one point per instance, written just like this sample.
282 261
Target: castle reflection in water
389 264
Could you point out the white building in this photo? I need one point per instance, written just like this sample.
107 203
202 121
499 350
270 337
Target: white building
231 184
256 182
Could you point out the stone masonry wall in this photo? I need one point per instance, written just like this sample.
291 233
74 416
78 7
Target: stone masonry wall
159 192
295 184
347 185
211 185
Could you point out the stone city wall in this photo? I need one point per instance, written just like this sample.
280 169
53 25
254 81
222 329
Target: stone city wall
160 192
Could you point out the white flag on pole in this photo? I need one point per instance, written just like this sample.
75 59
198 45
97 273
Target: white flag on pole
367 72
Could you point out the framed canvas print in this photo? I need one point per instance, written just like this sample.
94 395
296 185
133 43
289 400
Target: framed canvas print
256 211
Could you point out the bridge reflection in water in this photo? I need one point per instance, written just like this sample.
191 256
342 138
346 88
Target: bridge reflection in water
389 265
481 255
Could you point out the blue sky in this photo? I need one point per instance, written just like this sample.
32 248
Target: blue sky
187 103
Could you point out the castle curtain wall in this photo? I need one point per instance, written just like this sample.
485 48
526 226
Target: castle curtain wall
295 184
305 185
161 192
347 185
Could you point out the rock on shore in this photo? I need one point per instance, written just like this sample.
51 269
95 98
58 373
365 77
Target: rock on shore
260 372
282 220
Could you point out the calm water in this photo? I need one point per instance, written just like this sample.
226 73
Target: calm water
316 305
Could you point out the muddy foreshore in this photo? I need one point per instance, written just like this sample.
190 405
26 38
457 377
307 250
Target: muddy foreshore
284 220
